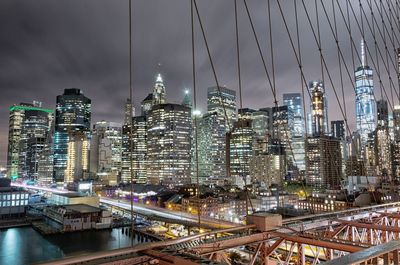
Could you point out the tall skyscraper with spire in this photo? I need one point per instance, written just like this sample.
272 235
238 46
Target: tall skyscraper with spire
365 100
159 94
187 102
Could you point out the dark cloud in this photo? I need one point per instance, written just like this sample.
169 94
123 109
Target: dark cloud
48 45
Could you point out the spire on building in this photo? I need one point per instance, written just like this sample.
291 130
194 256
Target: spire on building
159 94
187 100
362 53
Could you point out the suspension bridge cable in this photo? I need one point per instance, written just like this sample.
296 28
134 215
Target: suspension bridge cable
131 117
385 31
338 56
273 89
300 65
227 122
375 40
388 71
196 125
241 165
366 45
323 59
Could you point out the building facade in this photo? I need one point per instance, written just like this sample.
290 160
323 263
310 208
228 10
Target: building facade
106 151
169 144
223 101
240 147
295 104
211 150
365 99
78 157
134 151
30 128
319 109
73 114
323 162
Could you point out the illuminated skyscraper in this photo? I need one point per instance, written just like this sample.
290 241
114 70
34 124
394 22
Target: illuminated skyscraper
323 162
138 151
129 111
383 147
282 124
146 104
222 101
246 113
382 113
338 132
29 131
73 114
240 146
187 102
211 150
319 109
78 157
337 129
159 93
169 144
105 151
396 143
365 100
295 105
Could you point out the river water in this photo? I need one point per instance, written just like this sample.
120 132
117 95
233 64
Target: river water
20 246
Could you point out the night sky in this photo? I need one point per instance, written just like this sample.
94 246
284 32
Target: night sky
47 45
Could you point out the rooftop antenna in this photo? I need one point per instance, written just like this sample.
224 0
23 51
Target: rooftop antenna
362 53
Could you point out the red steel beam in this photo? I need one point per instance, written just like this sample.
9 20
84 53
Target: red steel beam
168 259
371 226
318 242
260 237
391 215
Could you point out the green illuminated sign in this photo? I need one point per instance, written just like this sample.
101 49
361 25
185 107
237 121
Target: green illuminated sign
14 108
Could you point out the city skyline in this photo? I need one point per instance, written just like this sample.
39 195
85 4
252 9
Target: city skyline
71 59
183 132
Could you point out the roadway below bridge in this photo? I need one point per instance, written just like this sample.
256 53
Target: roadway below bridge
164 214
154 212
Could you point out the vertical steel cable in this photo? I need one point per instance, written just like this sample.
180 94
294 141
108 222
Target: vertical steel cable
211 60
300 63
240 96
196 125
322 57
273 89
131 118
376 49
386 48
349 31
320 54
339 58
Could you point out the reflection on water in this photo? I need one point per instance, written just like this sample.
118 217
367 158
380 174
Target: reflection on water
26 246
